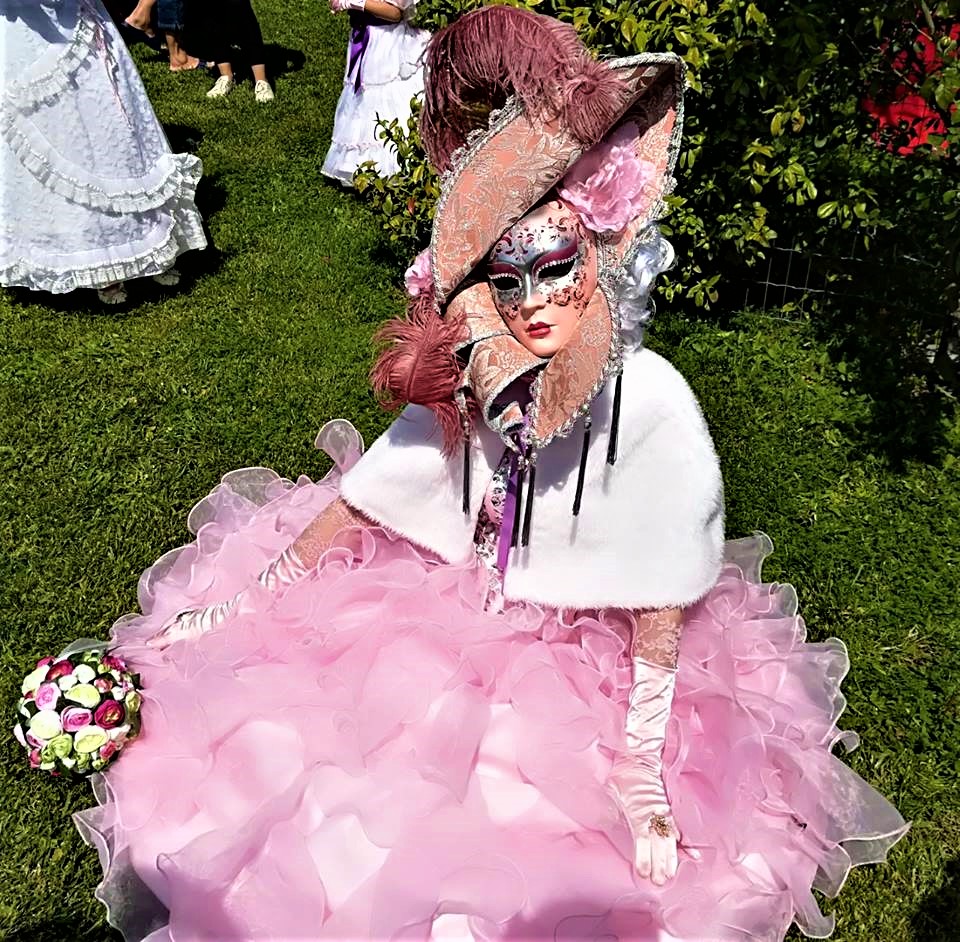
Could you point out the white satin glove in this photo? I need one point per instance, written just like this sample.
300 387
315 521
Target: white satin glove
636 776
285 570
341 6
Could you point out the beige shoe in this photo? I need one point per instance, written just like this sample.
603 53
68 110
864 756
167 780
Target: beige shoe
112 294
263 92
222 87
168 278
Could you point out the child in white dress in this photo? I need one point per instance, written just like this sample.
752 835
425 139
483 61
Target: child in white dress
384 72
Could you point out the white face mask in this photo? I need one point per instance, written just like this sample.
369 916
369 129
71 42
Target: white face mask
541 276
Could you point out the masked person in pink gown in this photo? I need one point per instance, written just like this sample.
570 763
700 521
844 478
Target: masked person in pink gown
499 677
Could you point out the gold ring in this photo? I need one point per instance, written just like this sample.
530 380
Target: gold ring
660 825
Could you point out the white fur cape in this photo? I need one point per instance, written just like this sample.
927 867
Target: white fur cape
650 529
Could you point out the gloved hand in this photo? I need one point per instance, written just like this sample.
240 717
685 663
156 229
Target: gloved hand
636 776
340 6
286 569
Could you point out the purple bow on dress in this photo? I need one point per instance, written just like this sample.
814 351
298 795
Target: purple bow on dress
359 40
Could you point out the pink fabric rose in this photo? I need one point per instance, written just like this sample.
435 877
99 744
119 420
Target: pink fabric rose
418 276
47 696
103 684
113 663
74 718
44 662
108 749
610 185
35 759
110 713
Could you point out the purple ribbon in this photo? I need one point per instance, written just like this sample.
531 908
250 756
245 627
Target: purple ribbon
359 40
510 511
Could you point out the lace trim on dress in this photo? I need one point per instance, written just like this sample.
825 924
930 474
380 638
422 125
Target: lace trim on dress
185 233
166 180
486 537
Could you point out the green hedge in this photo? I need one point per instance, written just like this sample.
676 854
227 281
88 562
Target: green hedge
778 150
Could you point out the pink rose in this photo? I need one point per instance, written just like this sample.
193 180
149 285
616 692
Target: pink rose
610 185
47 696
103 684
35 759
34 742
74 718
418 277
44 661
110 713
113 663
59 669
108 749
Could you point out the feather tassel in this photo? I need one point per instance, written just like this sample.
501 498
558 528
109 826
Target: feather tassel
581 474
614 440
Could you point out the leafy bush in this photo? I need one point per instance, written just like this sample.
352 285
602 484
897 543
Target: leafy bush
778 146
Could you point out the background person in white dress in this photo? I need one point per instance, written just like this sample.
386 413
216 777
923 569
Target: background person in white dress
384 71
90 193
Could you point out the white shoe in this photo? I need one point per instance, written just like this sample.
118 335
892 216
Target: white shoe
262 91
168 278
112 294
221 88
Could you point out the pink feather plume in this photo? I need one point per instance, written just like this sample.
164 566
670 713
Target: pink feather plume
485 57
419 364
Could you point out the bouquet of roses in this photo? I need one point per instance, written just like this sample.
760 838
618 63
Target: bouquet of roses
77 711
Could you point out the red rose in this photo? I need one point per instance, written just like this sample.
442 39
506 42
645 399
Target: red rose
59 669
109 714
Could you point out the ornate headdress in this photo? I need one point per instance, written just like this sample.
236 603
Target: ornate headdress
515 106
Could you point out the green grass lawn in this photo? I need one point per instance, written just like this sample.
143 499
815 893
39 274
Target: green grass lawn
112 424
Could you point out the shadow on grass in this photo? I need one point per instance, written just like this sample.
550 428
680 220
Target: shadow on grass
880 357
279 60
938 916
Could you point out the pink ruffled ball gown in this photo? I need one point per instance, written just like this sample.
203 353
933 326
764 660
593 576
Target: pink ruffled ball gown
387 750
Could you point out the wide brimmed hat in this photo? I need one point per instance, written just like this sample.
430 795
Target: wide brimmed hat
513 102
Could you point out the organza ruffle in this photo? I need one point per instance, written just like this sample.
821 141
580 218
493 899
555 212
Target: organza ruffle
372 754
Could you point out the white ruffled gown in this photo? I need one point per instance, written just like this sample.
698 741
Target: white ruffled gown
90 192
391 75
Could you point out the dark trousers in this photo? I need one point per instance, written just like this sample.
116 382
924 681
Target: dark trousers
213 28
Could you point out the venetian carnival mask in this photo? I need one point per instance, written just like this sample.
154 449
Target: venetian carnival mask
542 273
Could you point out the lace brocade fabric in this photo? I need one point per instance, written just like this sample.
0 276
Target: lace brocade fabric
486 537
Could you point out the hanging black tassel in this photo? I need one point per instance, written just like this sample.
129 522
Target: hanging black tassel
466 469
615 422
518 505
583 465
528 512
